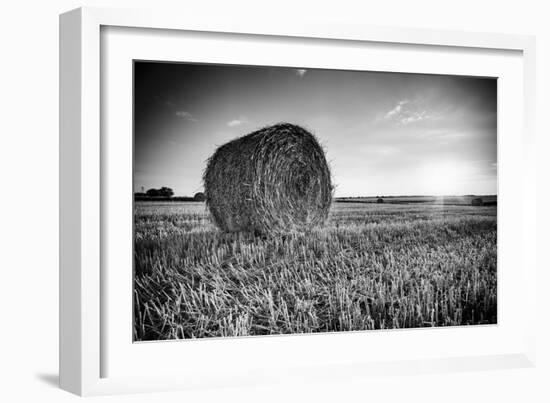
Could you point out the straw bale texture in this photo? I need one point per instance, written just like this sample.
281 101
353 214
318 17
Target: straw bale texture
275 179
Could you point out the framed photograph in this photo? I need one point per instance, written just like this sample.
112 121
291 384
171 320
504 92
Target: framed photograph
252 202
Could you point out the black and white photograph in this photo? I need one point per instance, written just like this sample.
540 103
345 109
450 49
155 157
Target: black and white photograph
288 200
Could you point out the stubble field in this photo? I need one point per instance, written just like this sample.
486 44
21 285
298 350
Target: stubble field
373 266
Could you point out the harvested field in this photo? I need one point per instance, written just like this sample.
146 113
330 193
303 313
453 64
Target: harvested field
374 266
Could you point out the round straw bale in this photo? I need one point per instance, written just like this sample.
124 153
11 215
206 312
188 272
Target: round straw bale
275 179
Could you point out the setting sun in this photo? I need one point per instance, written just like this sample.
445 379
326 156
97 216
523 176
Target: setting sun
443 178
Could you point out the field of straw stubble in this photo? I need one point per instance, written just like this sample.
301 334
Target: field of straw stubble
373 266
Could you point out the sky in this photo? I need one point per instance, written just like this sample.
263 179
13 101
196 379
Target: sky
383 133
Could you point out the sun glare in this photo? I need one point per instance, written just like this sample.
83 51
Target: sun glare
442 179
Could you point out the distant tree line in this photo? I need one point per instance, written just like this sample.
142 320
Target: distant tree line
166 194
478 201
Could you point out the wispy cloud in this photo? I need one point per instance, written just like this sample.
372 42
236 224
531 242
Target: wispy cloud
406 112
301 72
412 117
237 122
186 116
397 109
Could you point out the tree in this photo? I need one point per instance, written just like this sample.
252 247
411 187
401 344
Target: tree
166 192
477 201
162 192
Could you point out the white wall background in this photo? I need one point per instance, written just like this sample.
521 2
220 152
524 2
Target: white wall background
29 201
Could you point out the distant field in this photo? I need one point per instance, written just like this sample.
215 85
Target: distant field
446 200
374 266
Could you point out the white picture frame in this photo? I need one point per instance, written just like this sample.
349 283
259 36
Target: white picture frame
86 343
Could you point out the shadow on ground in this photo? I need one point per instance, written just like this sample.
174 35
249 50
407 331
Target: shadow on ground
49 379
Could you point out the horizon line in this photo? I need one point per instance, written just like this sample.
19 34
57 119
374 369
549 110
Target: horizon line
374 196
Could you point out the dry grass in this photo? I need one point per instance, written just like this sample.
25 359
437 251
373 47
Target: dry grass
372 267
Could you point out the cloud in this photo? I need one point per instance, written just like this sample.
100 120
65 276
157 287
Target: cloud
412 117
186 116
406 112
397 109
237 122
301 72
